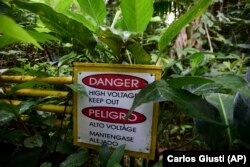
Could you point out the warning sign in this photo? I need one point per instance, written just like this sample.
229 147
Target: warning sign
99 117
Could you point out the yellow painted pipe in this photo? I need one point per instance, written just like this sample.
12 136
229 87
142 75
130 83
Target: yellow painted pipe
38 92
44 107
58 123
50 80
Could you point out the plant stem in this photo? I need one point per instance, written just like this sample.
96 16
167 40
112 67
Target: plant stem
208 38
225 120
117 15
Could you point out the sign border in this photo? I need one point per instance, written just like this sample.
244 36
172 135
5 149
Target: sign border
128 68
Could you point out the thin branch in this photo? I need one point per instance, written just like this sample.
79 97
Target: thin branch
208 38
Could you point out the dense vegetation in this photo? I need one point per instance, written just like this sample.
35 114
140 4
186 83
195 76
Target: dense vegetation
204 90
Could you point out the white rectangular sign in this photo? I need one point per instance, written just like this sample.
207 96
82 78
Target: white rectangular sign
100 115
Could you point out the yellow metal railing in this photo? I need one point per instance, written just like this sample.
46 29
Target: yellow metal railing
38 92
44 107
50 80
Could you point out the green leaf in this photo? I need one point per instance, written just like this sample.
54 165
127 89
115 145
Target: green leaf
196 59
96 9
224 103
60 6
170 33
66 58
140 55
116 165
9 108
244 46
5 116
30 84
80 18
16 70
6 40
65 27
191 104
37 73
42 37
136 14
104 154
78 88
76 159
112 40
179 82
230 81
46 164
28 105
33 141
116 156
10 28
65 147
39 37
158 164
13 136
201 89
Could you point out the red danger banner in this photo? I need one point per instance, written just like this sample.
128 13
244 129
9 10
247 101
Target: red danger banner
114 82
113 115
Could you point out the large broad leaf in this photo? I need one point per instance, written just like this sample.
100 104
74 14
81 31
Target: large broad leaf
224 103
58 5
244 46
191 104
112 39
80 18
196 85
8 108
14 135
28 105
116 156
179 82
231 81
66 58
62 6
95 9
65 27
136 14
104 154
46 164
6 40
76 159
33 141
169 33
242 117
140 55
5 116
221 138
78 88
10 28
30 84
42 37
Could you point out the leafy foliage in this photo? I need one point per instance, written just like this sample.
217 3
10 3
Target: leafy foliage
76 159
216 112
13 31
65 27
203 55
168 35
134 15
